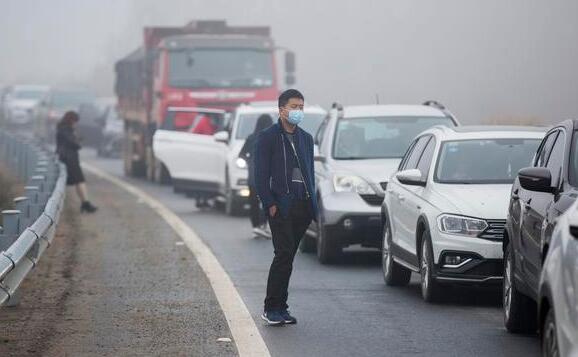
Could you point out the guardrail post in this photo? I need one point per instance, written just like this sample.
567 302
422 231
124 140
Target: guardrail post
11 221
22 204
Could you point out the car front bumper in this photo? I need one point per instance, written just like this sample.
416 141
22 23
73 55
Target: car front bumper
480 260
353 219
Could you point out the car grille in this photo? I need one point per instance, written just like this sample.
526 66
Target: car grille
495 230
373 200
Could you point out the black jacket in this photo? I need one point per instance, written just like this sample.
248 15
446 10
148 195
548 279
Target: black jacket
67 144
272 174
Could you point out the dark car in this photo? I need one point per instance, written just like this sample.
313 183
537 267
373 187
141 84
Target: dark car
539 195
51 110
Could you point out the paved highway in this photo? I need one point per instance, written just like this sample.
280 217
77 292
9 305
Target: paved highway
345 309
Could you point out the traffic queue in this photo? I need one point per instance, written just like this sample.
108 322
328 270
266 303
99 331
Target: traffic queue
457 205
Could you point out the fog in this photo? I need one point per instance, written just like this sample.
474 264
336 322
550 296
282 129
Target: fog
486 60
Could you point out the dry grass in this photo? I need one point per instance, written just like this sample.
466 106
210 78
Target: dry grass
9 189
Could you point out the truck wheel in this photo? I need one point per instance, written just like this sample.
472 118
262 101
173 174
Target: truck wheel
520 312
329 249
393 273
430 288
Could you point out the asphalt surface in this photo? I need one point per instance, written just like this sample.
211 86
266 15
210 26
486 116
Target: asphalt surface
345 309
115 283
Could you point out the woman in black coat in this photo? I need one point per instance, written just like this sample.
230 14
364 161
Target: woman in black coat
67 147
263 122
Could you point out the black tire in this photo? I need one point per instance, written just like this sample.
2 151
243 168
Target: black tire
308 244
520 311
430 288
550 336
393 273
329 249
232 206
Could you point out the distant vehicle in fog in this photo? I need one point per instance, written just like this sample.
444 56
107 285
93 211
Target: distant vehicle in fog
205 64
53 108
445 208
92 120
112 134
359 147
20 103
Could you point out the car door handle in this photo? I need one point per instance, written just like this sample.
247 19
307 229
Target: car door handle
401 198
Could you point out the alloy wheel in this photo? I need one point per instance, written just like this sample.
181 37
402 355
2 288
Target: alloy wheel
385 251
507 287
550 343
424 269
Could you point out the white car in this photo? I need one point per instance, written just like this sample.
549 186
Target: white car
445 208
21 102
211 164
558 304
236 190
359 147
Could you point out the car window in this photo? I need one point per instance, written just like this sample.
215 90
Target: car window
413 158
573 169
556 157
545 148
426 158
320 132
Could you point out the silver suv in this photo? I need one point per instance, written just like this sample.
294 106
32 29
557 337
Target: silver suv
359 147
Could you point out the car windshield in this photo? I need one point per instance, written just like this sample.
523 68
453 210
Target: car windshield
221 68
379 137
247 123
71 99
29 94
484 161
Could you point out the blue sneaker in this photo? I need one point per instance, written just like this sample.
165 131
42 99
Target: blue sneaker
273 318
290 320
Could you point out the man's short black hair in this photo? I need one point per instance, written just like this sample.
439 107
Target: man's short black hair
288 94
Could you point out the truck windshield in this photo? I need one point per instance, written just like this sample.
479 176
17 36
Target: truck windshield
247 123
221 68
379 137
484 161
29 94
72 99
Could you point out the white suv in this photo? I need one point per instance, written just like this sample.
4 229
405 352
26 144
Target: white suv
358 148
445 209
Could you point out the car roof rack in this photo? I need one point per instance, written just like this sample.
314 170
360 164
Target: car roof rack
441 107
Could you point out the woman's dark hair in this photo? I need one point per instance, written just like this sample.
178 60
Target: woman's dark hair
263 122
69 118
288 94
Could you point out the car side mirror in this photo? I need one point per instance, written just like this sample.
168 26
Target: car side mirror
411 177
222 136
538 179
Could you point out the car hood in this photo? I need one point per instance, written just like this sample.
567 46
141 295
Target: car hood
372 170
482 201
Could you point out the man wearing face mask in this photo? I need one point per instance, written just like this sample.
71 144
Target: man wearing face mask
285 184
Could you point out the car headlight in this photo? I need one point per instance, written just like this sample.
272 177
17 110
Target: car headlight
350 183
460 225
241 163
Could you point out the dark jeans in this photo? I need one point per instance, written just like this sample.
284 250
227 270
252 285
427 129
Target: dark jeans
287 233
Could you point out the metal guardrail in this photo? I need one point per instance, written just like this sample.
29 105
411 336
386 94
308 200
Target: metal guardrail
27 230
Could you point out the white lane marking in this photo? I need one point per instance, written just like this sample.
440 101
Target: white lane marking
180 243
245 333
